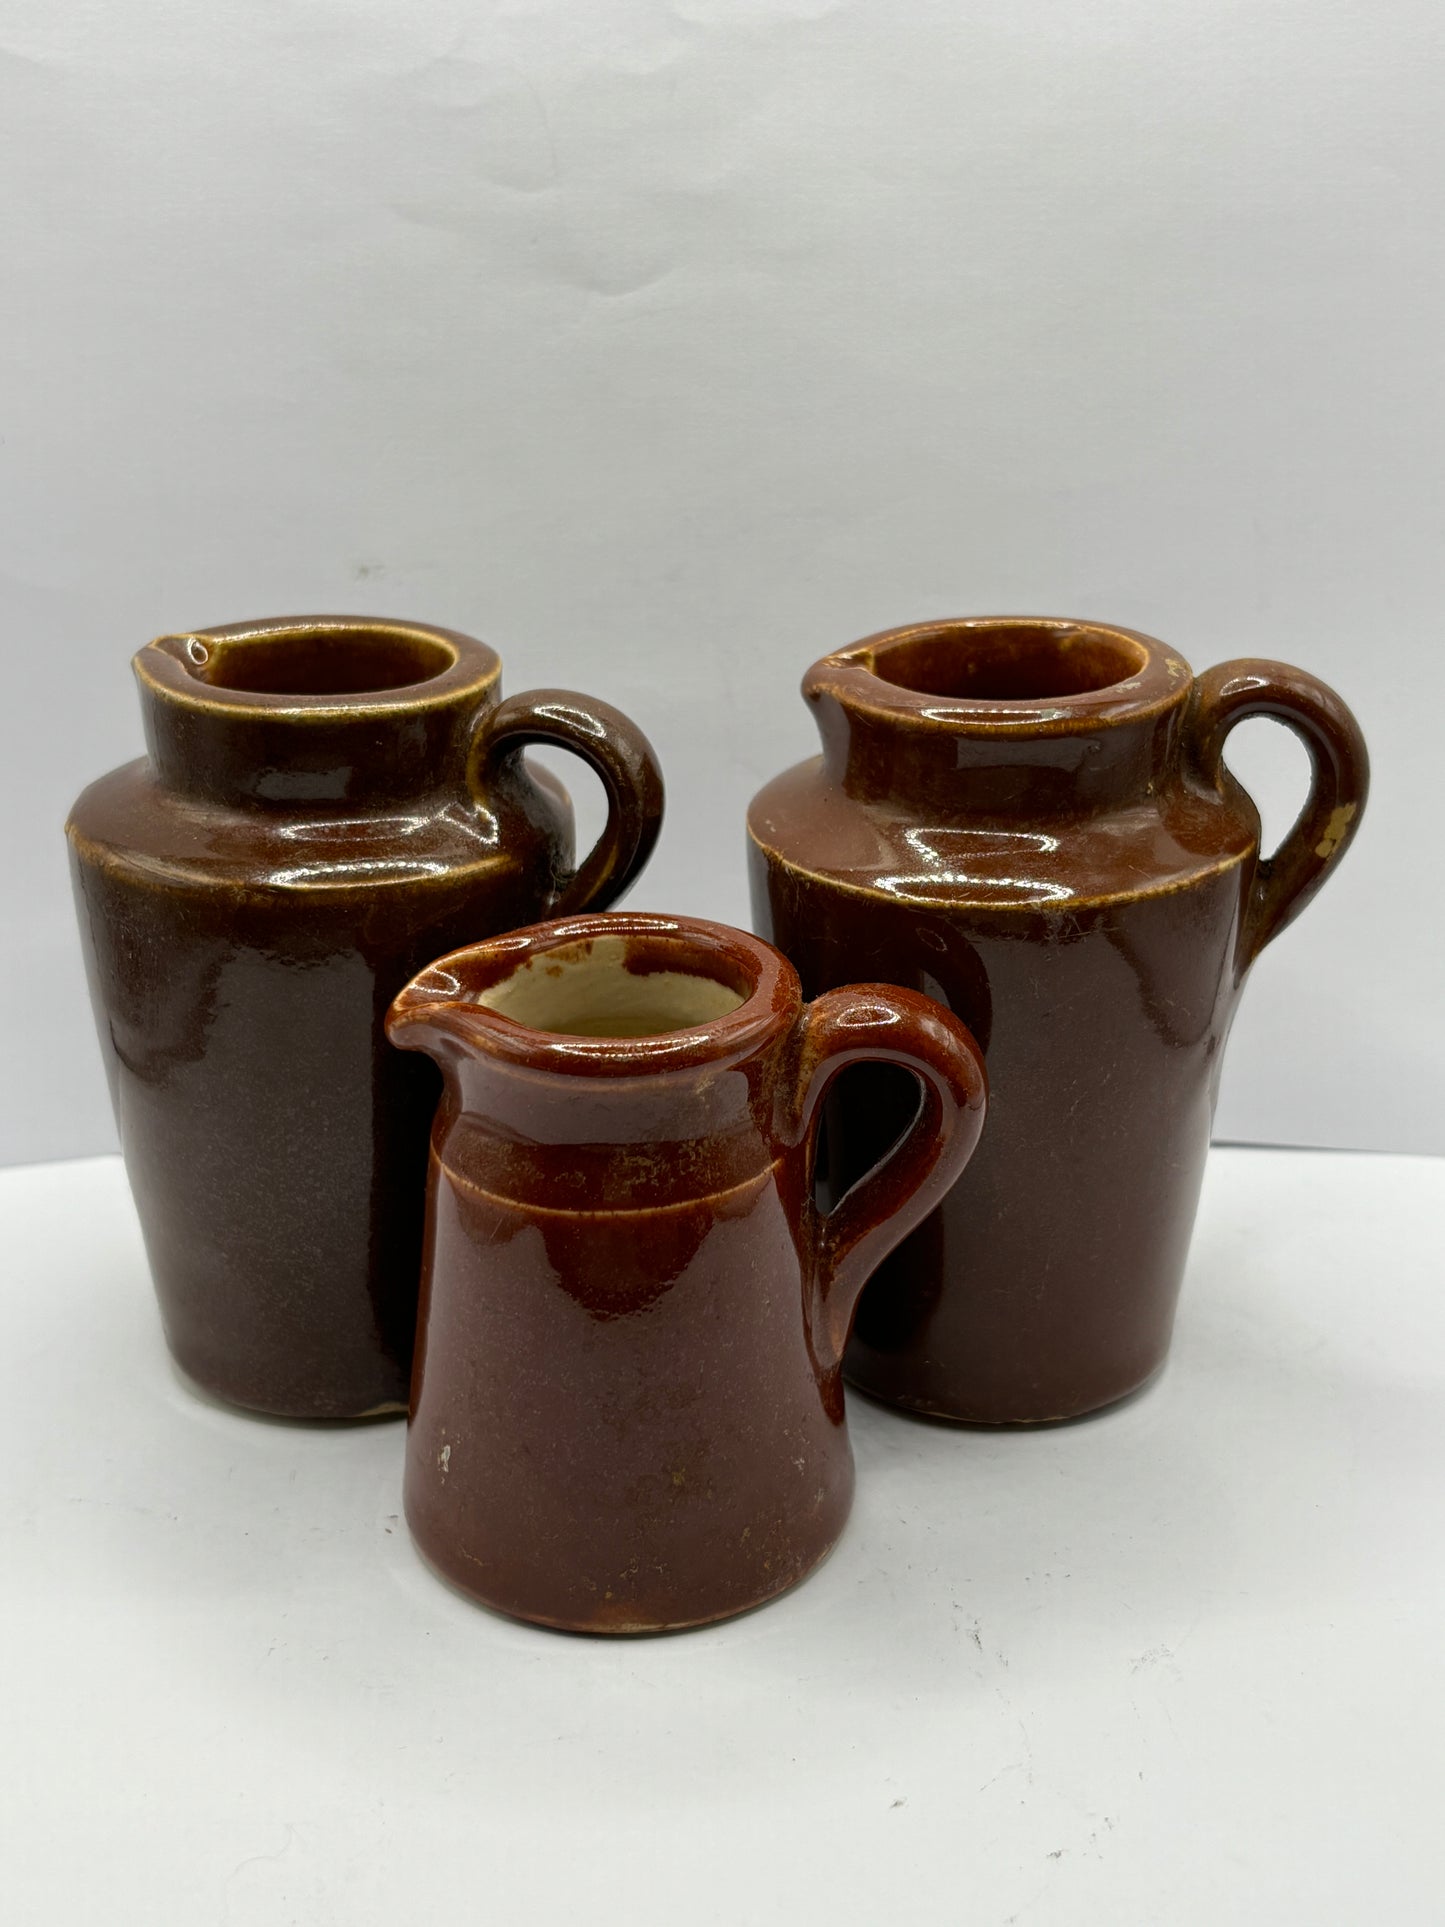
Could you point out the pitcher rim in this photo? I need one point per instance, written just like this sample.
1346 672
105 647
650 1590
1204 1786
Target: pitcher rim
852 676
773 999
167 668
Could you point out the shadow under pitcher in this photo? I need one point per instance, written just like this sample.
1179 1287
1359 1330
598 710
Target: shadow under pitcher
1031 821
326 803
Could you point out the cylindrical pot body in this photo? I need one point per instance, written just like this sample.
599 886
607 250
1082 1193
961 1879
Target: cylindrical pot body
1031 821
627 1407
325 804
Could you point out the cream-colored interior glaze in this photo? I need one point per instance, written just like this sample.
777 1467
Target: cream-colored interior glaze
586 990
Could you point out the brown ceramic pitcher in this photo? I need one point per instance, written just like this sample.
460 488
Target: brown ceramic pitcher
326 803
627 1407
1032 821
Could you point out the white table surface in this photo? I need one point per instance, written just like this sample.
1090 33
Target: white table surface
1178 1663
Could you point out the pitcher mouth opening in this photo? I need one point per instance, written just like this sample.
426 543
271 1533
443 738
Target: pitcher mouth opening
618 986
1024 662
621 992
1003 674
317 664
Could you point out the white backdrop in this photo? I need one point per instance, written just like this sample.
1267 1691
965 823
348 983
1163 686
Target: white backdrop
667 347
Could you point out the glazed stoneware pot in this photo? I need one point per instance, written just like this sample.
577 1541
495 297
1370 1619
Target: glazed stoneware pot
326 803
1032 822
627 1407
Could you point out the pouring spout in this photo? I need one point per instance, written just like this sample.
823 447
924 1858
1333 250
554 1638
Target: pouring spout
431 1015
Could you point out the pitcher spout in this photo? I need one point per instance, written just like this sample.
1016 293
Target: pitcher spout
432 1014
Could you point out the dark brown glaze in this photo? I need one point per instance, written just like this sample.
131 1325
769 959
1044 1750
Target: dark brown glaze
1031 821
627 1407
326 804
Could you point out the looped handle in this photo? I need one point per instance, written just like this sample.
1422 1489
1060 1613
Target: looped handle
1340 782
621 755
882 1024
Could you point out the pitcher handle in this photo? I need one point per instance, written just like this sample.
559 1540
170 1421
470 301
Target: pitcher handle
882 1024
621 755
1339 784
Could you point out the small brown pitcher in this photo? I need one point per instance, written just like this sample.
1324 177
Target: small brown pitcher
326 802
1032 821
627 1405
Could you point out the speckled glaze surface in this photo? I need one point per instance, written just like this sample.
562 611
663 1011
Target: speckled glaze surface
627 1407
325 803
1031 821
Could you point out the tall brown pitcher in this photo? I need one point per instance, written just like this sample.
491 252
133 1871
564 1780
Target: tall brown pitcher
326 804
1032 822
